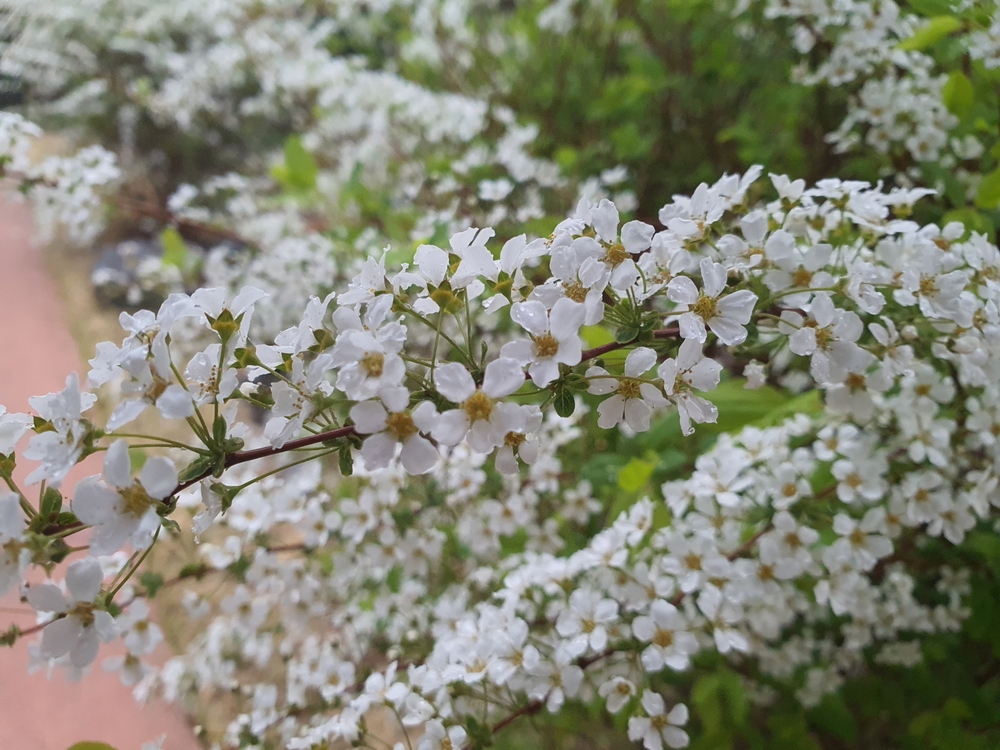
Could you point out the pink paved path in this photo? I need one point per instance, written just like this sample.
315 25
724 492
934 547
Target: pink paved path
36 354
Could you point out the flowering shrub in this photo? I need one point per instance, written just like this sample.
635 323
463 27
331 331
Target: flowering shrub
505 481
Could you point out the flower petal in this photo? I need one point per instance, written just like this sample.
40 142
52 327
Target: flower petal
159 477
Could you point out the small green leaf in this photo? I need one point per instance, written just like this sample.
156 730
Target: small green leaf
564 403
91 746
957 94
196 468
228 494
930 33
988 192
626 334
346 461
51 502
152 582
394 578
175 252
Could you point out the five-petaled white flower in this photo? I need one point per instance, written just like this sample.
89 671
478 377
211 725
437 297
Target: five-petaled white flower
634 399
724 314
476 415
691 370
120 508
555 338
80 624
390 423
658 726
666 631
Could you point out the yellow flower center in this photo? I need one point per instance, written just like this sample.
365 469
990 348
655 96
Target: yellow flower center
705 307
928 285
478 406
373 364
802 277
576 291
629 388
401 425
84 612
514 439
546 345
664 638
136 500
616 254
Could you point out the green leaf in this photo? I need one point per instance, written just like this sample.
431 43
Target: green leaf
625 334
346 461
300 167
930 33
226 493
91 746
633 476
152 582
988 192
51 502
175 252
957 94
930 8
564 403
739 407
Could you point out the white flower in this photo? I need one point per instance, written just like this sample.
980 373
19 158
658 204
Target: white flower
59 449
391 423
635 238
786 548
437 737
634 399
477 415
476 258
517 423
555 683
691 371
725 315
583 621
129 667
555 338
658 726
670 643
856 547
829 336
141 635
616 692
367 351
120 508
12 429
82 625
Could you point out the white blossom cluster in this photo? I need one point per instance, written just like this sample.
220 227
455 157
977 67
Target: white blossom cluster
896 105
233 74
466 573
220 70
67 191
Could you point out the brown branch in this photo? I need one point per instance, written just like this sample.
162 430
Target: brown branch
242 457
190 226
